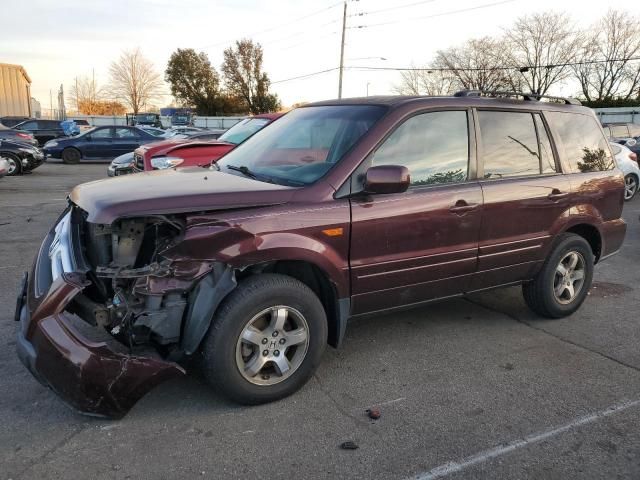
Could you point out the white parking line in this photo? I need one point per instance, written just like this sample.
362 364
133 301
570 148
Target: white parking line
481 457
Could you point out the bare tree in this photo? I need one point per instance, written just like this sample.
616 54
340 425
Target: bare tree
477 64
612 41
85 92
425 81
134 80
539 46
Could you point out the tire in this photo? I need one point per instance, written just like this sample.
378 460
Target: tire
15 165
226 358
541 295
630 186
71 155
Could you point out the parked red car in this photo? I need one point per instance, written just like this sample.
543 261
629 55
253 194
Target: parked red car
188 153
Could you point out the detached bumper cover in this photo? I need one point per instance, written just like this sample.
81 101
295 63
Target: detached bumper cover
89 375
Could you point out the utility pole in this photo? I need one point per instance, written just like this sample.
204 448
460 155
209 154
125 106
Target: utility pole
344 26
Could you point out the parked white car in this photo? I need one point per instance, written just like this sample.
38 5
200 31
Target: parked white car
627 162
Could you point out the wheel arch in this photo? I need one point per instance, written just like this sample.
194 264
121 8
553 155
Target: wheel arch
318 280
591 234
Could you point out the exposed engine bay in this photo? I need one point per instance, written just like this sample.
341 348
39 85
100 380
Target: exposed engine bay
138 294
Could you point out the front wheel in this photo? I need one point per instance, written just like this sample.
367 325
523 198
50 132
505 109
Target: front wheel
15 166
564 280
265 340
71 155
630 186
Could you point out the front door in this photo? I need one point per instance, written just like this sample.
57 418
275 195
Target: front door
422 244
526 197
99 143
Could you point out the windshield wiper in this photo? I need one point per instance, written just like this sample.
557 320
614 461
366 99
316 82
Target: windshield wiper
243 170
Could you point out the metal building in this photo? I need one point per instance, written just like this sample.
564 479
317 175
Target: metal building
15 91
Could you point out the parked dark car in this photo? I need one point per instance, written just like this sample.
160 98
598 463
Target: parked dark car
99 143
121 165
339 209
22 158
42 130
14 135
12 121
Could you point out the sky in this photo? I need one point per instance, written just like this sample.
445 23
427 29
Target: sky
57 41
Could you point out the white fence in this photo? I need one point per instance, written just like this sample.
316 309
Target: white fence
202 122
619 115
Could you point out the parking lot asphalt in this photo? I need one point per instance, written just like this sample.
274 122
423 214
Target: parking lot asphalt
468 388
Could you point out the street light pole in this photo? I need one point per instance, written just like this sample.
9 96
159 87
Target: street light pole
344 25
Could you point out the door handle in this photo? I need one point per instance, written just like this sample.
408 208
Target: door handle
461 207
557 195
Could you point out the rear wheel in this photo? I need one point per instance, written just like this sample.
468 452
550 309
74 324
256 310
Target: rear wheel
71 155
630 186
266 339
15 165
564 280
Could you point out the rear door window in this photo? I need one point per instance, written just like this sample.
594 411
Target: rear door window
433 146
584 145
126 133
509 144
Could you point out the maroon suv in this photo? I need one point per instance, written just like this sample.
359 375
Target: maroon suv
339 209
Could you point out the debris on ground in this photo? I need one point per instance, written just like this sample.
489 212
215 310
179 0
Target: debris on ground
349 445
374 413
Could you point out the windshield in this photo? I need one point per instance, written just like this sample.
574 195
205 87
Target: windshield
303 145
243 130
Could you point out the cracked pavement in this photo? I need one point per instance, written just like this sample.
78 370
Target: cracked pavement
454 380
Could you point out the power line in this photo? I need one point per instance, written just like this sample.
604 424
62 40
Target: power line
278 27
306 75
453 69
452 12
522 68
397 7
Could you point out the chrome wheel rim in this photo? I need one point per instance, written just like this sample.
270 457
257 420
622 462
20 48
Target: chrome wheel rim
12 166
272 345
569 277
630 187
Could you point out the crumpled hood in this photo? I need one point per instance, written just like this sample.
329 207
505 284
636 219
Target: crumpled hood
173 191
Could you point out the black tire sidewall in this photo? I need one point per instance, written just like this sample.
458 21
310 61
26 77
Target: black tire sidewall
568 243
73 161
251 297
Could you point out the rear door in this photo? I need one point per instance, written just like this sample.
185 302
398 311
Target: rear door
127 139
422 244
526 196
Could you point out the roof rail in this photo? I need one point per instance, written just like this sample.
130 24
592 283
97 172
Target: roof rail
531 97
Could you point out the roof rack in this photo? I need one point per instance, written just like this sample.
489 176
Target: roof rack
531 97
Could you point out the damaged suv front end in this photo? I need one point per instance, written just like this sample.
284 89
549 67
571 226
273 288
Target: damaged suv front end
102 309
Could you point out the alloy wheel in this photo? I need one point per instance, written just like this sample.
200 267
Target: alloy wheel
630 187
569 277
272 345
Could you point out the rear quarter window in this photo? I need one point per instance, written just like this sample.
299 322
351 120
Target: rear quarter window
585 147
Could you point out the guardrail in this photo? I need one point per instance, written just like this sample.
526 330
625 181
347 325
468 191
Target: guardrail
202 122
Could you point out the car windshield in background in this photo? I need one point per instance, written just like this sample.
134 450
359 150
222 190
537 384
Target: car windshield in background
303 145
243 130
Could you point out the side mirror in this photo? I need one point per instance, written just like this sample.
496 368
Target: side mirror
87 138
387 179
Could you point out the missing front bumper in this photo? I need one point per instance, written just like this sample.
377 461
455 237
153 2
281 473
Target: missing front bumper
88 375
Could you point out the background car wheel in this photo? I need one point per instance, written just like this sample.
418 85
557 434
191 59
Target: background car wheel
266 339
15 165
564 280
630 186
71 155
